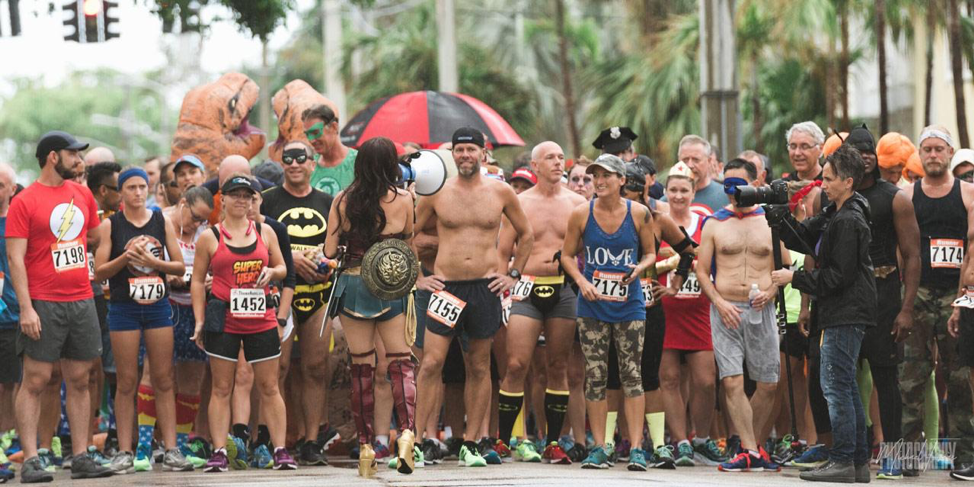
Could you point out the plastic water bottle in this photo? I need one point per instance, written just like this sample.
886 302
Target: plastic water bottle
754 315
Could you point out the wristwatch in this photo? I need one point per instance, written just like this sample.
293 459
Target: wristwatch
282 322
516 274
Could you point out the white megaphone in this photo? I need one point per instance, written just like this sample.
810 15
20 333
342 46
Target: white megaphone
429 169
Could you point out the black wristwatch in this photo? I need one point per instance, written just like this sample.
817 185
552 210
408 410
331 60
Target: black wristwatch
516 274
282 322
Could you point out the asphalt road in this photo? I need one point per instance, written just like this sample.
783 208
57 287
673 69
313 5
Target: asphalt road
343 473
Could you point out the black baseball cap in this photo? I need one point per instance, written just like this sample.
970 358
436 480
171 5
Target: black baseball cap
468 135
238 182
56 140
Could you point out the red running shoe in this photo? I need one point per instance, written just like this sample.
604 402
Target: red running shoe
553 454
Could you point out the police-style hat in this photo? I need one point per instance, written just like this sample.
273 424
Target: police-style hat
614 140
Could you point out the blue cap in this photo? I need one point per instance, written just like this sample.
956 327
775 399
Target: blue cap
189 159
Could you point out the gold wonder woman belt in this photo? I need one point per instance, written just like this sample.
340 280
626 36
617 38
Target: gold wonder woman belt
882 272
549 280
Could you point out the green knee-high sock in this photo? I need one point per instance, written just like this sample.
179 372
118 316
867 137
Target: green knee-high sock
656 422
931 412
610 427
864 376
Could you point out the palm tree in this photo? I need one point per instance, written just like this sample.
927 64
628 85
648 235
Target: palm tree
880 9
957 69
566 78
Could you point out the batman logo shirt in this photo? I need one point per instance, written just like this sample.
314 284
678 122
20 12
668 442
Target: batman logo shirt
306 217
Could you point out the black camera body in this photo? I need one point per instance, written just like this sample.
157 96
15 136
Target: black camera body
774 194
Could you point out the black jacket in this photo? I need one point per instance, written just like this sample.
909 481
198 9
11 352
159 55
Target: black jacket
842 282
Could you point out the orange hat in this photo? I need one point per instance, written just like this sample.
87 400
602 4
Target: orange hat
832 143
894 149
914 165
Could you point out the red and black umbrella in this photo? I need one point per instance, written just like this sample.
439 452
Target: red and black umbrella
428 118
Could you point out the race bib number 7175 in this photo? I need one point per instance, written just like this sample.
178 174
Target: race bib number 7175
610 286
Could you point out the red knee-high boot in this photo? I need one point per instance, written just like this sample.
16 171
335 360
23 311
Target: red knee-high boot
363 407
402 375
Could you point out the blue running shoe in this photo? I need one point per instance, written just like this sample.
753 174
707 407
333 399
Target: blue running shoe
597 459
814 457
889 469
262 458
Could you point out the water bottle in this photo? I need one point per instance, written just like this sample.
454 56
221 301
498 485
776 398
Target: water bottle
754 314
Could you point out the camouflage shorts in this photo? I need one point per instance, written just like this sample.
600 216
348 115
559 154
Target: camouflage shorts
595 336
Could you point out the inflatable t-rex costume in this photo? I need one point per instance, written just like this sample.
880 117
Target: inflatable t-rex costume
289 102
213 121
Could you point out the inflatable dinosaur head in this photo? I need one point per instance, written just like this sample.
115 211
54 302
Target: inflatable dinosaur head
289 103
213 121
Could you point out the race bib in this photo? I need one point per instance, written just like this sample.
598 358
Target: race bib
946 253
146 290
188 275
647 283
506 311
91 267
2 280
609 285
522 288
690 288
69 255
445 308
248 303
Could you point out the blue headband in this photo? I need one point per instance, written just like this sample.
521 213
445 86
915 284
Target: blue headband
731 184
131 173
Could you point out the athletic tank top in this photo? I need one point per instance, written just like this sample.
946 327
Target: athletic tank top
235 270
882 248
607 259
182 296
687 313
136 283
943 235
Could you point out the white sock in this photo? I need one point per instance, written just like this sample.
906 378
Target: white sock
382 439
682 442
700 440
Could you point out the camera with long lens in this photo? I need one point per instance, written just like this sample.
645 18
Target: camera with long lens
774 194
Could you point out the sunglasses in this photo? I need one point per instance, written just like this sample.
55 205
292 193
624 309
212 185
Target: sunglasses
967 176
195 217
316 131
113 188
299 158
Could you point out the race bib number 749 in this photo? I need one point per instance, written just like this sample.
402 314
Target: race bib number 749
946 253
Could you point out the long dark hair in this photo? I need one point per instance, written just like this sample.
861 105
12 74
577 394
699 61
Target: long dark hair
376 173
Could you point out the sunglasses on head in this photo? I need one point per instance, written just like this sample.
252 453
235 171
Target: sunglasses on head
292 156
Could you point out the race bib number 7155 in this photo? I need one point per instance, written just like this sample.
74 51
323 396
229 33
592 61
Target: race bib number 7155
445 308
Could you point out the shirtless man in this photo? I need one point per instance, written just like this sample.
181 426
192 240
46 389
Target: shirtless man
466 284
740 245
542 300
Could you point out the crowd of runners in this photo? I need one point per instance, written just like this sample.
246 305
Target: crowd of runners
581 311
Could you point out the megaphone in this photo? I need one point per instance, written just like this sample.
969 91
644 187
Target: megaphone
427 169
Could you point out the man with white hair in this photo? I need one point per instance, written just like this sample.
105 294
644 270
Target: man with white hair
805 141
696 153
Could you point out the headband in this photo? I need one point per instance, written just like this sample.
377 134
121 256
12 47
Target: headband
731 184
131 173
940 134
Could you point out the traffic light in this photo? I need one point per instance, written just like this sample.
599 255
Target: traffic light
90 20
14 8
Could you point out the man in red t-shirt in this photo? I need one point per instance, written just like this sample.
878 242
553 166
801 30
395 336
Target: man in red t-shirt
47 238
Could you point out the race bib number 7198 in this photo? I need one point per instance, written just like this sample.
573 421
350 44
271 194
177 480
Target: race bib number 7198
68 255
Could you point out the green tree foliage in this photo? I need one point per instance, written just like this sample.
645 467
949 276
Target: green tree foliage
126 120
259 17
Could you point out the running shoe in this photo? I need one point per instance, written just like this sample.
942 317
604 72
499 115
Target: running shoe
814 457
486 447
261 457
143 459
123 463
310 455
6 475
418 459
431 451
33 472
746 462
174 461
526 451
282 459
199 448
503 450
965 472
236 453
889 469
381 451
217 462
732 446
596 459
470 457
84 467
577 452
622 450
637 460
453 445
684 455
47 460
95 455
707 453
663 458
553 454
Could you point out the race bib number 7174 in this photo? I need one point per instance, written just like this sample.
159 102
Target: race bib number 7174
946 253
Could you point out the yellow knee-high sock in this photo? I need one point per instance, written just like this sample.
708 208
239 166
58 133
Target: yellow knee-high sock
656 423
610 427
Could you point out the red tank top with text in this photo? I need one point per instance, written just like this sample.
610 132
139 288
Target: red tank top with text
235 271
687 313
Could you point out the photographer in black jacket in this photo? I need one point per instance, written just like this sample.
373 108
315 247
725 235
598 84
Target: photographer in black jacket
846 290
